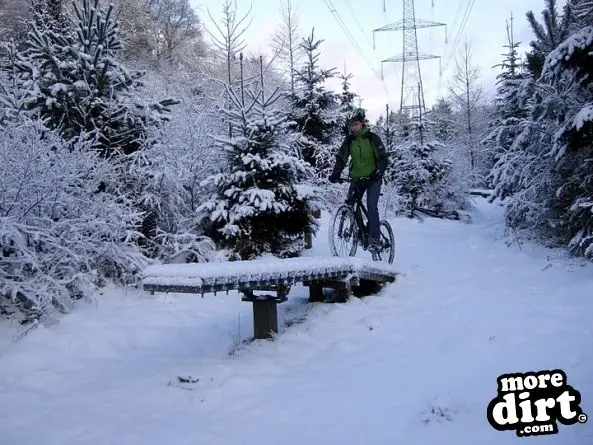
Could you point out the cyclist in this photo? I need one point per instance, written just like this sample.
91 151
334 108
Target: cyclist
369 160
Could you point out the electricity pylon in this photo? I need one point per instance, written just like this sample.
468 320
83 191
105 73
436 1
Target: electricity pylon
412 91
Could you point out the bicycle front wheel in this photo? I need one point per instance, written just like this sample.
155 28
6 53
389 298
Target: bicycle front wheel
387 252
343 232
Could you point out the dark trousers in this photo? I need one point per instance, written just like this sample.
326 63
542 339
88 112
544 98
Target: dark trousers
373 190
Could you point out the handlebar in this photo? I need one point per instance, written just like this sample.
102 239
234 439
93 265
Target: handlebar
343 180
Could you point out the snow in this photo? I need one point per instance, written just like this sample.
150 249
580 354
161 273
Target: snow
415 364
583 117
58 88
579 40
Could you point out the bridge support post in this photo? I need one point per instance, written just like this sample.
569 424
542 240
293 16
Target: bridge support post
265 311
316 213
265 318
315 292
342 288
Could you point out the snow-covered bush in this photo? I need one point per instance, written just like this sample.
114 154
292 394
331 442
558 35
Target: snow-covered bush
425 170
60 236
417 177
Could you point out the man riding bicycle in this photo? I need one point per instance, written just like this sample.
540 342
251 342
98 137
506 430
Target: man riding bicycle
369 160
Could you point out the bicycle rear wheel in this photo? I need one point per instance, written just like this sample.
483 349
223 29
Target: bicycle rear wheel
387 252
343 232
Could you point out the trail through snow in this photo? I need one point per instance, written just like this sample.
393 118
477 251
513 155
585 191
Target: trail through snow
415 364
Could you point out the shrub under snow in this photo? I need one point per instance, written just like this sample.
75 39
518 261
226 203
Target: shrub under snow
60 236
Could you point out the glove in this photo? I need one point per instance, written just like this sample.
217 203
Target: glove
377 175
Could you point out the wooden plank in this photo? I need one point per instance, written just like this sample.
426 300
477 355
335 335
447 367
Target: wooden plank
173 289
220 284
377 276
214 286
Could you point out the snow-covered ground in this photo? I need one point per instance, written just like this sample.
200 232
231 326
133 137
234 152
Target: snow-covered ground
415 364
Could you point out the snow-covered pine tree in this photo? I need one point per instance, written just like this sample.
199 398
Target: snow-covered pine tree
569 64
547 169
582 14
509 112
346 98
443 121
75 83
549 34
415 172
396 132
315 109
260 203
420 171
449 193
523 171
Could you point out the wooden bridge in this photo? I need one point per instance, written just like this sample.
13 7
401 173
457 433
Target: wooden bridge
275 275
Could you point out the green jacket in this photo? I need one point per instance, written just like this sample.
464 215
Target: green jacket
367 152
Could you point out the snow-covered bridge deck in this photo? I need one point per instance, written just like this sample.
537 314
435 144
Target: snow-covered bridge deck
277 275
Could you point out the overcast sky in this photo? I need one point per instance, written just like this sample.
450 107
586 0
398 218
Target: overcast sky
484 28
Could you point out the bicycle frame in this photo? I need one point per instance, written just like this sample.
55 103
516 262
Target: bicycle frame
359 210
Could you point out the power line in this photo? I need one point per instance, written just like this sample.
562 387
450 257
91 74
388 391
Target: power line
455 31
456 17
459 6
464 20
459 33
332 9
386 18
356 21
336 15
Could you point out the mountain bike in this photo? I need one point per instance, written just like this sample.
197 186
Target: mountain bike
349 228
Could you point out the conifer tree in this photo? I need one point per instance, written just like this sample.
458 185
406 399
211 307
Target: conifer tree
549 34
545 175
74 82
509 112
346 98
315 109
260 203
